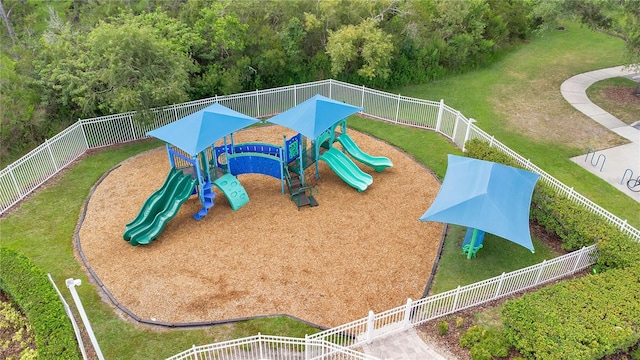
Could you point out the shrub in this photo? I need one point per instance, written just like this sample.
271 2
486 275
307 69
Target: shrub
443 327
481 150
617 251
587 318
28 287
485 343
635 352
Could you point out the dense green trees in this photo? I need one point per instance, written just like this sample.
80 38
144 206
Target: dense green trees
131 63
64 60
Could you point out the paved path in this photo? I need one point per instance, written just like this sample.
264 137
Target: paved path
613 163
406 345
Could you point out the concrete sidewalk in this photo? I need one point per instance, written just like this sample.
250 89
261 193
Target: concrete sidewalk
615 165
406 345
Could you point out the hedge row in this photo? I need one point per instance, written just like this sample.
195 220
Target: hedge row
574 224
28 286
587 318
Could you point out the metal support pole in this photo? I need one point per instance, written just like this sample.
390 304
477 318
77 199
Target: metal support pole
71 284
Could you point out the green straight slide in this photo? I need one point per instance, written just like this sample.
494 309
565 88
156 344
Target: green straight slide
378 163
346 169
159 208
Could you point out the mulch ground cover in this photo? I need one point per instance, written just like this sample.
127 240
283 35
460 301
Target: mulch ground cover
327 265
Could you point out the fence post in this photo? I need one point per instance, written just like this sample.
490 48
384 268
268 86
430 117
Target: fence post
370 326
455 126
307 343
397 108
579 258
570 195
362 99
466 135
260 345
440 112
175 112
133 130
455 300
542 266
407 315
15 182
53 159
257 103
499 286
295 94
84 134
193 352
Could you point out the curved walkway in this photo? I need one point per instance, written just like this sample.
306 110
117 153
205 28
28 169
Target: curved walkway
408 345
614 163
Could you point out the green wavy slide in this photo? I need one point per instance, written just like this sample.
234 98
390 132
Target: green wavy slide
159 208
346 169
378 163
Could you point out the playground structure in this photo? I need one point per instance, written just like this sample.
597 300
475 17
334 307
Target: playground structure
197 164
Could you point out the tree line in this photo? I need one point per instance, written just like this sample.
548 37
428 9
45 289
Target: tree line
61 60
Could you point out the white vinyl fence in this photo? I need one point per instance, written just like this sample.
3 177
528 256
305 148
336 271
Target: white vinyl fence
261 347
25 175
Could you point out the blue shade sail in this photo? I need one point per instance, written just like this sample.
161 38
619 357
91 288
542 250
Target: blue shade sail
315 115
486 196
195 132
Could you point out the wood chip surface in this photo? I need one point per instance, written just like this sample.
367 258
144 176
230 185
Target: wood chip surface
327 265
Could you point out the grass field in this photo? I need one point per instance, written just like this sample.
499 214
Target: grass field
615 96
515 100
518 101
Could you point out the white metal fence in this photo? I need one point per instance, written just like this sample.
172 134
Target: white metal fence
272 348
25 175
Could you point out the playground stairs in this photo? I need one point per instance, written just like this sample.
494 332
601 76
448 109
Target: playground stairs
209 195
301 195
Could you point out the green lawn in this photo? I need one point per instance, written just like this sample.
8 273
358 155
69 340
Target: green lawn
524 88
43 226
496 256
626 107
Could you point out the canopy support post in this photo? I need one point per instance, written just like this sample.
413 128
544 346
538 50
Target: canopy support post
473 243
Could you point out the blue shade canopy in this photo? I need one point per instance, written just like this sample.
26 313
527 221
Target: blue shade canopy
312 117
487 196
195 132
